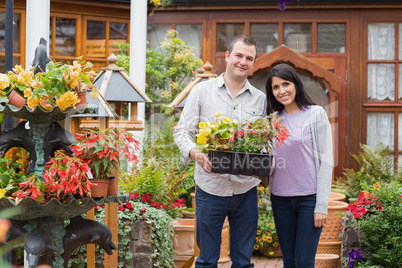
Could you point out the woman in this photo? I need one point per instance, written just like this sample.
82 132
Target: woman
301 183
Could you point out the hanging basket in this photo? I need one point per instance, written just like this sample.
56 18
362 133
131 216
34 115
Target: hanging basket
238 163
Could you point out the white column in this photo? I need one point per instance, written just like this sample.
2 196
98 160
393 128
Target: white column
138 45
37 26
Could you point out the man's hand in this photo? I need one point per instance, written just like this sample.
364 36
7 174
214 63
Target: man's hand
319 219
201 159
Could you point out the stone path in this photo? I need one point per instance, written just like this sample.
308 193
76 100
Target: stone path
259 262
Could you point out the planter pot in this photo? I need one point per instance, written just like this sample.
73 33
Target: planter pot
237 163
112 187
267 252
337 197
331 230
330 248
82 96
16 99
100 189
326 261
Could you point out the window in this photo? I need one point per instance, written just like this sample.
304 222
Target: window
191 34
226 32
266 36
384 92
16 40
298 37
331 38
64 34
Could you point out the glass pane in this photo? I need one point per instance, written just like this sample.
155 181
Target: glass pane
225 34
191 35
331 38
399 131
266 36
118 32
16 33
156 35
400 41
381 82
65 37
16 61
96 35
399 161
400 82
381 41
298 37
380 129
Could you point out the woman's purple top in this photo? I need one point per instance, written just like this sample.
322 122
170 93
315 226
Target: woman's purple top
295 171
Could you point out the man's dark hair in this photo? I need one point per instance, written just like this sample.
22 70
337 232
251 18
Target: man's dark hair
248 40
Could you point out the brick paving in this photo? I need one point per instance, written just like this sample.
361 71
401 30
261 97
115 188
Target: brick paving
259 262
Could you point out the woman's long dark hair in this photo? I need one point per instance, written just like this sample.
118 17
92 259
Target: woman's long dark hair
286 72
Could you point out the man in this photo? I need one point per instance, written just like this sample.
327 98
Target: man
221 195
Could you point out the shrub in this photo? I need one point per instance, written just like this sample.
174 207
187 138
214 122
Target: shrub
380 223
376 165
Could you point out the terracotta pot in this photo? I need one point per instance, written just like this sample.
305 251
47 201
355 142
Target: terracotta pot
330 248
192 200
112 190
265 250
331 229
16 99
337 197
326 261
100 189
82 96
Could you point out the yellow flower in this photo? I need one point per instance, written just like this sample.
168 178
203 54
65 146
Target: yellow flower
275 244
202 139
25 78
76 67
28 93
260 201
33 102
265 238
271 253
74 79
67 100
205 130
226 119
376 186
217 114
256 247
18 69
4 83
258 232
269 239
202 125
2 193
262 188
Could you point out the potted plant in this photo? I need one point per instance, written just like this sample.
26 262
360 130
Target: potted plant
102 149
241 148
64 177
58 86
266 242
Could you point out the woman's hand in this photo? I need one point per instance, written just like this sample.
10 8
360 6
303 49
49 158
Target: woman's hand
319 219
201 159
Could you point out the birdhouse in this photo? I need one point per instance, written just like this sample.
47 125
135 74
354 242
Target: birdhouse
203 73
117 93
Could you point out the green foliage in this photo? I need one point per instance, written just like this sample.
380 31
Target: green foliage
9 176
266 241
162 232
376 165
168 71
160 172
381 229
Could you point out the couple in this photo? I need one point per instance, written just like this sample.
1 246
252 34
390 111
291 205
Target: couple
300 189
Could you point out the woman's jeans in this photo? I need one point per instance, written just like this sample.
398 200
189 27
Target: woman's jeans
211 211
294 222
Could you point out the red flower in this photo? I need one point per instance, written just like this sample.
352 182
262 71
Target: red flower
133 195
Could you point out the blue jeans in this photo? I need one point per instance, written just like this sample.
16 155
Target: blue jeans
297 235
211 211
